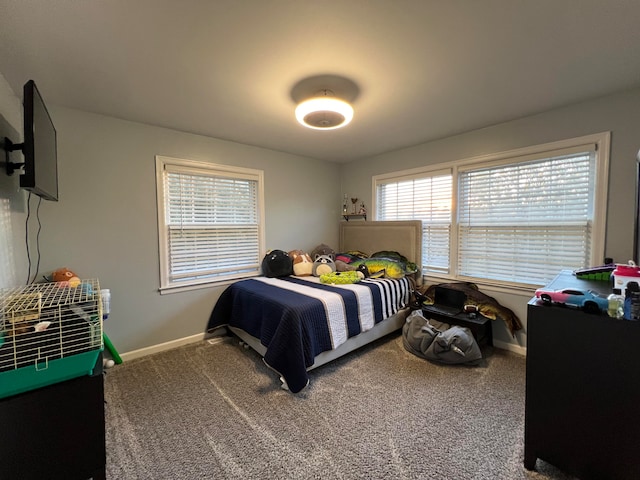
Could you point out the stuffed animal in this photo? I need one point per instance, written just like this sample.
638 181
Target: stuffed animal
342 266
323 249
322 265
302 263
381 267
277 263
65 275
341 278
408 267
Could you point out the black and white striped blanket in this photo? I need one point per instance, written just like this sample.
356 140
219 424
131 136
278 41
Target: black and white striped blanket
297 318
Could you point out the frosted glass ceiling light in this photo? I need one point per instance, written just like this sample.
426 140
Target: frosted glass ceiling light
324 112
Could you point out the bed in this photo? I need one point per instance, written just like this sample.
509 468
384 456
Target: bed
298 323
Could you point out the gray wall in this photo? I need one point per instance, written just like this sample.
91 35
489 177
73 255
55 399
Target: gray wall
106 221
619 113
105 224
13 204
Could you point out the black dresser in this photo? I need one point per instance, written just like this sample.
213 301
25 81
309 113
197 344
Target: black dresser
582 411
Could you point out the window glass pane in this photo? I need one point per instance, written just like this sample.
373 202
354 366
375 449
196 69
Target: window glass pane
523 222
426 198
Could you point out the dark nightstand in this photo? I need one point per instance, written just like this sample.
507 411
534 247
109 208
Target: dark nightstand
479 325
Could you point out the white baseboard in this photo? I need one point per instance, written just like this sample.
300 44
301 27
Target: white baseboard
510 347
161 347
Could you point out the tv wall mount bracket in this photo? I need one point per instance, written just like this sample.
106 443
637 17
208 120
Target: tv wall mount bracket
9 147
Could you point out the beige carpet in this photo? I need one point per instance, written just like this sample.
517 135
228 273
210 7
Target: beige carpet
217 412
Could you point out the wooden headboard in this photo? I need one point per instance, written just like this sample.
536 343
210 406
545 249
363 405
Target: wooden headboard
403 236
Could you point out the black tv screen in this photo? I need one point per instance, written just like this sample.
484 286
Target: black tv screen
40 146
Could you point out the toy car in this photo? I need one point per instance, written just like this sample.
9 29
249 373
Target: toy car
588 300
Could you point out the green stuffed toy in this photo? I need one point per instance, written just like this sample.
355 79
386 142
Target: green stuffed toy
341 278
381 267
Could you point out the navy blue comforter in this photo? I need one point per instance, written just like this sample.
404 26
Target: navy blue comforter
296 319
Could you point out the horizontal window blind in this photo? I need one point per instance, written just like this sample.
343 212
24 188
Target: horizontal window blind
212 225
426 198
523 222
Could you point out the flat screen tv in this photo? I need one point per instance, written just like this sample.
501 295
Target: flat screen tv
40 148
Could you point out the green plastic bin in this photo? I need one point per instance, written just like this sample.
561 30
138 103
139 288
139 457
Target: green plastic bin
47 372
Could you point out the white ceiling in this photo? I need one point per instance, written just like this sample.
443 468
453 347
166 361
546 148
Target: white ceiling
424 69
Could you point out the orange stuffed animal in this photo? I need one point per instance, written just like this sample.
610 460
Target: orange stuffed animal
302 263
65 275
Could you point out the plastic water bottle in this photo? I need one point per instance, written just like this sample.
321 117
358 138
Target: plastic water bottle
616 304
106 302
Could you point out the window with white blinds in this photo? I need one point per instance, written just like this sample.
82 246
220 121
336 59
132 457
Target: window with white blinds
518 217
209 222
426 197
525 221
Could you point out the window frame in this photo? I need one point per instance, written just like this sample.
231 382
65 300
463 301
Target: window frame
207 168
601 142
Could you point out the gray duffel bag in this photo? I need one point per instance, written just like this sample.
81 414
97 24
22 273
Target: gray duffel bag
438 341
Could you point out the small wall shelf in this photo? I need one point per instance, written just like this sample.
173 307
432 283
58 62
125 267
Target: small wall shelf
354 215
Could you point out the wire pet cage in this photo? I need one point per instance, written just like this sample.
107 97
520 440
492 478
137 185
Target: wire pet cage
49 332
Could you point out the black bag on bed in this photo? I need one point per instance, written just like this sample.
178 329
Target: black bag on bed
439 342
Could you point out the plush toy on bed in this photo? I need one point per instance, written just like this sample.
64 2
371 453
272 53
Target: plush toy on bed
323 249
341 278
302 263
380 267
373 268
407 266
322 265
277 263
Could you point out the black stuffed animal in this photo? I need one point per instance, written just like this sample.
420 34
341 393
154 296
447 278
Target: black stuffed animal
277 263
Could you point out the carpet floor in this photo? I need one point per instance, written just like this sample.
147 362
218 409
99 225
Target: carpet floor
217 412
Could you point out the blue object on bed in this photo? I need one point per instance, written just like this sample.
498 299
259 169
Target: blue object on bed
299 318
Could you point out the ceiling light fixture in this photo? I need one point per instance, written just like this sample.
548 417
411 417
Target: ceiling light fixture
324 112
